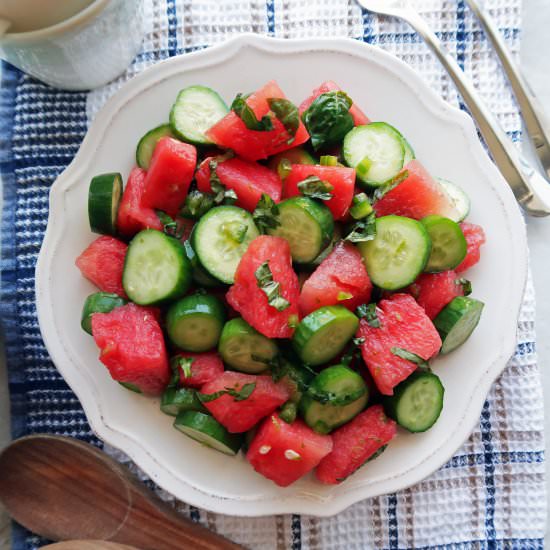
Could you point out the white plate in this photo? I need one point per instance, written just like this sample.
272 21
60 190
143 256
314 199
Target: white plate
445 140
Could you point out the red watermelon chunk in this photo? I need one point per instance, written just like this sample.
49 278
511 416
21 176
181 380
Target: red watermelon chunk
475 237
404 324
285 452
417 196
248 179
359 118
132 216
132 347
354 443
246 297
205 367
341 178
102 263
341 278
240 416
231 132
170 172
433 291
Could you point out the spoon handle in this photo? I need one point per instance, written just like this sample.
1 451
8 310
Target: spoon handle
536 121
531 190
151 524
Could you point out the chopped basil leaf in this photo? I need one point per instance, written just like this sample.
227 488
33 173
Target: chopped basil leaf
466 285
235 230
330 398
316 188
247 115
368 312
271 289
287 113
410 356
221 194
266 214
383 189
239 395
328 119
197 204
288 412
169 225
363 230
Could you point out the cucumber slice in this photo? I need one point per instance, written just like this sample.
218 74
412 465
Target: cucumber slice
409 152
99 302
177 400
307 225
398 253
199 274
449 246
459 198
208 431
147 144
324 333
103 200
416 402
196 109
457 320
195 322
217 249
244 348
156 268
296 155
379 147
335 396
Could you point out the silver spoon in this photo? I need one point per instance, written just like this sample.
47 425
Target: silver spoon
530 188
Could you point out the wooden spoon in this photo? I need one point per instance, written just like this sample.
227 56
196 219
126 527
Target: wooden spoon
87 545
63 489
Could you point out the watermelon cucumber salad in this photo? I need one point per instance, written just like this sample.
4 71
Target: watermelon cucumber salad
281 276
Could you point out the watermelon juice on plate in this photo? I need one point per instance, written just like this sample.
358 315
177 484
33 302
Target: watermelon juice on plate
281 276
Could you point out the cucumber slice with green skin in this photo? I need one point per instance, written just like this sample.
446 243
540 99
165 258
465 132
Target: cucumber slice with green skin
131 387
147 144
195 322
156 268
177 400
103 200
197 108
458 197
199 274
409 152
99 302
457 320
416 402
323 334
381 145
398 253
307 225
208 431
244 348
218 251
335 396
449 246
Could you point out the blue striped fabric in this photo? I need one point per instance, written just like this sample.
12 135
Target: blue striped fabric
490 494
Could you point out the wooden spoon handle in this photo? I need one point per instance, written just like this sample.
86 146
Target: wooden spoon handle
151 524
87 545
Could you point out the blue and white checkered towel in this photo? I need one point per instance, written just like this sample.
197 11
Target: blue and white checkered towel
491 493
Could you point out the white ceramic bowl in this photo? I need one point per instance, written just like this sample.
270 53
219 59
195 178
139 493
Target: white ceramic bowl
445 141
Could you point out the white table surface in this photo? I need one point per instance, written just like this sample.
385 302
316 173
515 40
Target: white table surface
535 48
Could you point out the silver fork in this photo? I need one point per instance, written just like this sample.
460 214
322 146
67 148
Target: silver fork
531 190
